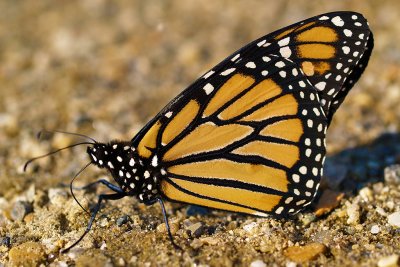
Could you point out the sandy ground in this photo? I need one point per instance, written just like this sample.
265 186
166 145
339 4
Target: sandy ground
105 68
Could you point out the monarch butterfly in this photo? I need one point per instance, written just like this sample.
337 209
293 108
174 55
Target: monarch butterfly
249 135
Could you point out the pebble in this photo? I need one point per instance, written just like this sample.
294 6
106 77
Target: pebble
353 211
173 226
20 209
123 220
57 196
291 264
389 261
375 229
258 263
381 211
250 227
328 201
305 253
9 123
5 241
394 219
210 240
196 229
392 174
26 254
366 194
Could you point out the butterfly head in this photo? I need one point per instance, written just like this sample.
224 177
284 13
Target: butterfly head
121 160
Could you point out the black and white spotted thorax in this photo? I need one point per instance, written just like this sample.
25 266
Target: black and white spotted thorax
135 175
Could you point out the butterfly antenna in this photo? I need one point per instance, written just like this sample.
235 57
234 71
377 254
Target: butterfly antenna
54 152
71 187
40 133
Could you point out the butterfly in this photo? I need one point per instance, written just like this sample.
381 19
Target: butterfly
249 135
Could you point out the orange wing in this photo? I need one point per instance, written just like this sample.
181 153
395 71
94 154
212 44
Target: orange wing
249 136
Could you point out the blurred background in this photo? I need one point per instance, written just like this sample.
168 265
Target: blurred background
105 68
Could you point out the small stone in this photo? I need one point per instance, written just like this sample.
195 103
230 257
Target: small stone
20 209
328 201
389 261
121 262
173 227
250 227
392 174
27 254
305 253
291 264
196 243
209 240
123 220
196 229
103 246
9 124
394 219
307 218
381 211
366 194
5 241
375 229
57 196
258 263
353 211
390 205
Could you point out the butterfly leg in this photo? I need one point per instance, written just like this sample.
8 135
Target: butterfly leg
108 184
159 199
96 209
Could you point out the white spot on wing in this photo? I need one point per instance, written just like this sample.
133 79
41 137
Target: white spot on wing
261 43
208 74
347 32
208 88
251 65
154 161
338 21
279 210
285 52
228 71
235 57
284 41
320 86
266 59
280 64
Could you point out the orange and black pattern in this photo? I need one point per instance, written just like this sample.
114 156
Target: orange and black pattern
249 135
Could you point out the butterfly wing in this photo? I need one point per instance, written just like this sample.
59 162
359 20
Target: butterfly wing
249 136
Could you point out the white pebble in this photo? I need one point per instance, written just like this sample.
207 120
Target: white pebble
353 211
258 263
249 227
375 229
389 261
394 219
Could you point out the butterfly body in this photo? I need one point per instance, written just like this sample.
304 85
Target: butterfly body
134 175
